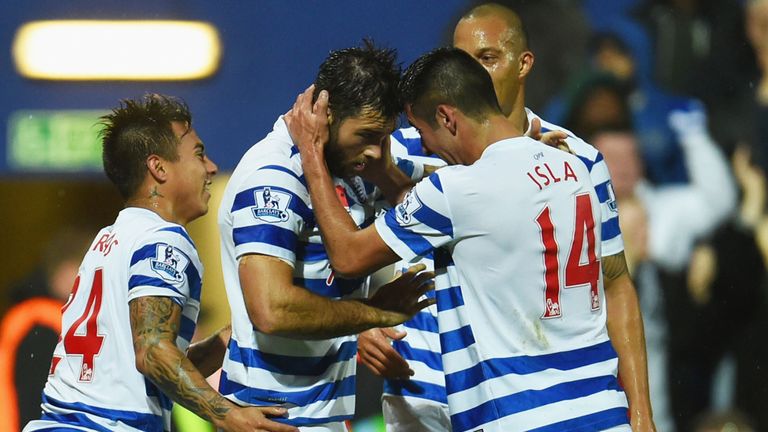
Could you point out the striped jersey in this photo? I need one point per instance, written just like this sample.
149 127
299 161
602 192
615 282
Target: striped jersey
520 300
421 348
93 382
266 210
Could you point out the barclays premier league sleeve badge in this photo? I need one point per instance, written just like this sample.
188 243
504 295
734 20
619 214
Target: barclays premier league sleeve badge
405 210
271 205
169 263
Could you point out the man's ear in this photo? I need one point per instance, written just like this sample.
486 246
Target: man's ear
157 168
526 60
446 117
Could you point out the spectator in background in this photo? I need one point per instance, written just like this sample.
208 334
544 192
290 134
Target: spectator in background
30 329
651 109
662 224
700 49
757 32
600 103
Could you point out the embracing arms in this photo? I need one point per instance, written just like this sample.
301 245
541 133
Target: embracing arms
155 325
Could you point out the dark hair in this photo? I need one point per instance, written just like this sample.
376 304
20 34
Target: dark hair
135 130
360 79
448 76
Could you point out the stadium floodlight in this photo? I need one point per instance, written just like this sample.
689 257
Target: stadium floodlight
116 50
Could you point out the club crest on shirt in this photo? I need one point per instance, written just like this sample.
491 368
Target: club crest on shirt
169 263
271 205
405 210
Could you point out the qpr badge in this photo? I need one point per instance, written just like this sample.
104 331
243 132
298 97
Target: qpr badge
170 263
271 205
405 210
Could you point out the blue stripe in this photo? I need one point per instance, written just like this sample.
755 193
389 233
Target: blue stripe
286 170
311 252
530 399
592 422
262 397
294 150
599 157
455 340
141 421
524 365
602 192
405 166
417 389
414 241
435 180
307 421
247 198
55 429
449 298
586 161
423 321
610 228
267 234
141 280
180 231
291 365
434 220
187 328
144 252
194 281
429 358
149 252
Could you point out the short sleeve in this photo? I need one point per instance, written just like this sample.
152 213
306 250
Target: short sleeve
420 223
612 242
165 264
269 212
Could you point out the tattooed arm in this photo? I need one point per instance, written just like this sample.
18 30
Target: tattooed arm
155 326
625 328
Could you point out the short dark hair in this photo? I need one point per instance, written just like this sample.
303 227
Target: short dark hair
448 76
136 129
360 79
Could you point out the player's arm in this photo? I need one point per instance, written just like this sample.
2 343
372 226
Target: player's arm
353 251
625 328
155 325
276 306
207 355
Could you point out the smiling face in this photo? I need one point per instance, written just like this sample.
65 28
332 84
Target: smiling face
189 178
498 47
356 141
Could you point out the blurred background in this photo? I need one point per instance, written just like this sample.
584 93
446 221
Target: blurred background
673 92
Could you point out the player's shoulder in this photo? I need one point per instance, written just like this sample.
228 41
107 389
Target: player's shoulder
582 149
274 161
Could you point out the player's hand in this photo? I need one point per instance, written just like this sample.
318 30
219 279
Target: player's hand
376 352
400 299
250 419
553 138
308 126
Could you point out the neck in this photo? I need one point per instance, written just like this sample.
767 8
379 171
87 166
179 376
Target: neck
491 130
517 114
156 202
